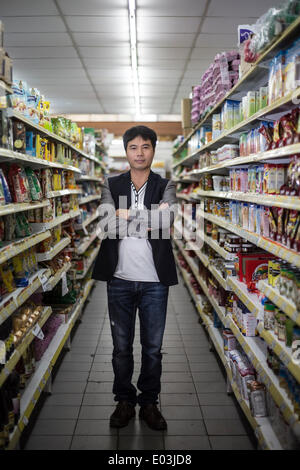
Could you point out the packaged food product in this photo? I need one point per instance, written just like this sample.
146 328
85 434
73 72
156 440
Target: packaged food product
257 399
34 185
18 184
7 277
30 143
20 277
19 136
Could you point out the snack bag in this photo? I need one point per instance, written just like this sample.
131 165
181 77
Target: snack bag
7 277
18 184
21 279
9 227
19 136
5 188
34 185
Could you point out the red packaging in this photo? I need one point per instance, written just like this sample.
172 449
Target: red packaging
18 184
253 266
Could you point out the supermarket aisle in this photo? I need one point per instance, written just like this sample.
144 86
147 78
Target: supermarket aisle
194 401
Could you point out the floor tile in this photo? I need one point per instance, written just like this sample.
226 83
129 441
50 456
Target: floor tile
176 377
98 399
175 367
185 399
95 387
46 443
211 387
213 376
94 427
225 427
96 412
68 387
138 427
181 412
54 427
231 443
76 358
140 443
94 443
61 399
102 367
187 443
101 376
177 387
71 376
188 427
215 399
75 366
174 358
214 412
59 412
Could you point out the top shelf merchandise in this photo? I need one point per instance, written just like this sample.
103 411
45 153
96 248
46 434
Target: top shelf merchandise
238 178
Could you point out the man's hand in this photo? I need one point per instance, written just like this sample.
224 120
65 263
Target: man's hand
122 213
164 205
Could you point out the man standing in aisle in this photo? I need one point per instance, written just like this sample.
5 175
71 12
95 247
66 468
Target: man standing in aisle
136 260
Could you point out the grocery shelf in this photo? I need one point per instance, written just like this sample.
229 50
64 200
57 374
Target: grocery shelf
85 244
267 245
278 107
283 352
35 162
87 199
287 202
63 192
21 207
37 227
15 299
11 249
30 123
87 221
98 179
261 426
53 280
92 258
286 305
48 255
251 346
28 338
250 301
5 87
251 74
186 197
42 374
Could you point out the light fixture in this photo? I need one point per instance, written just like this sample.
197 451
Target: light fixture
133 51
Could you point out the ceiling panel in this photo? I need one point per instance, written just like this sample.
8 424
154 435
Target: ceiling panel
148 90
117 72
217 40
167 25
208 53
105 52
119 80
163 52
28 8
39 64
170 7
96 24
224 25
37 24
37 39
60 81
94 7
163 81
40 74
101 39
41 52
162 64
165 40
102 64
243 8
200 65
156 110
150 72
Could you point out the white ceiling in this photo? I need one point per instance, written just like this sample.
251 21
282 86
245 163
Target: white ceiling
77 53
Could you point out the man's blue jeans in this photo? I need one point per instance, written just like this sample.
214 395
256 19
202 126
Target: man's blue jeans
124 298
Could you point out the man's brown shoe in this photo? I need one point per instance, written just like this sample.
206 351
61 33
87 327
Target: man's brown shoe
153 417
122 415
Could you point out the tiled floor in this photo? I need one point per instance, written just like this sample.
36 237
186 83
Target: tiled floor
193 398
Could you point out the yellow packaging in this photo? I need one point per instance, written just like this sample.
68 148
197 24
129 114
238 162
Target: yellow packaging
270 273
56 180
52 152
7 277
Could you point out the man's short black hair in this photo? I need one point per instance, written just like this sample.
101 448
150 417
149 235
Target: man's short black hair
142 131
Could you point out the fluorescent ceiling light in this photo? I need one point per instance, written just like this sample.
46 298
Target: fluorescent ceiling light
133 48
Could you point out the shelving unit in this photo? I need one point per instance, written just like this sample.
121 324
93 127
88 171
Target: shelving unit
254 347
253 75
42 280
92 258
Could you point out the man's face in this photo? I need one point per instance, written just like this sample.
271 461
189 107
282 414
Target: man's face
140 153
